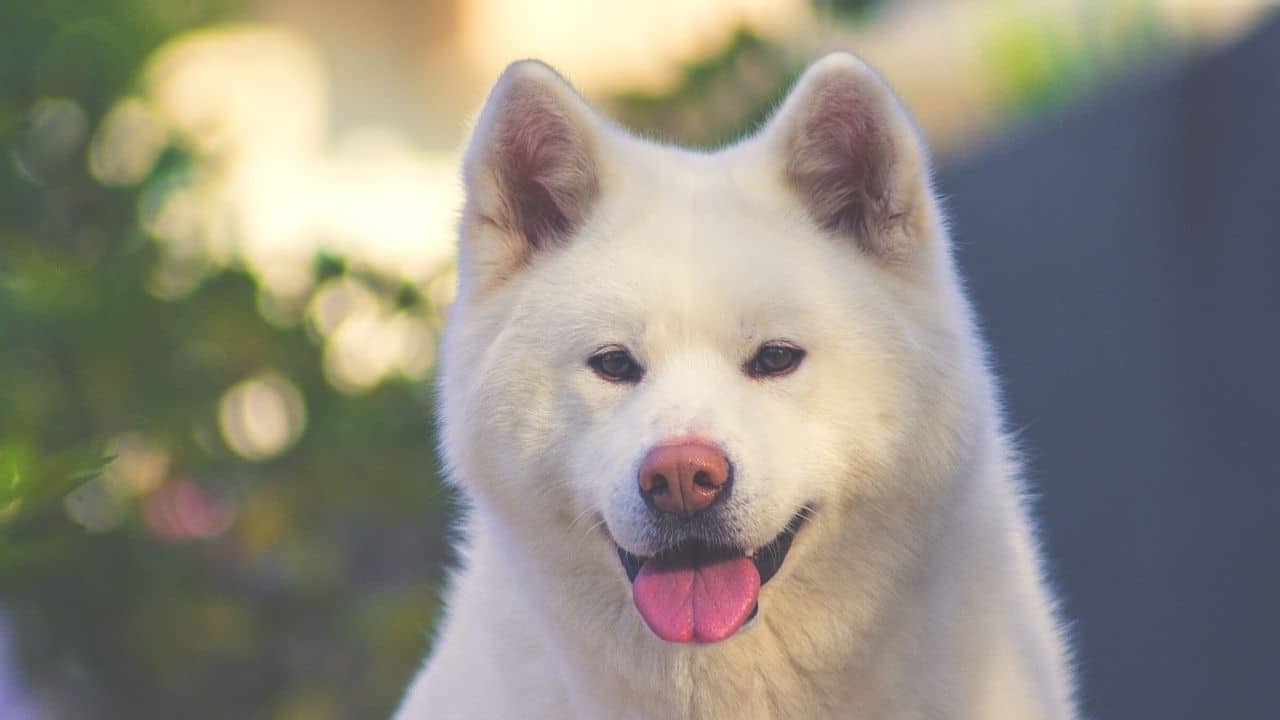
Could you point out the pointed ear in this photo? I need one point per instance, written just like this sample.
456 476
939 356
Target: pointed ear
530 172
852 156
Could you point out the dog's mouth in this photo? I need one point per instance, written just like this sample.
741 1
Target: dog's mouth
698 592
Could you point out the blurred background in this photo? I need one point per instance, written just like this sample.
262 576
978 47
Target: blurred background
226 239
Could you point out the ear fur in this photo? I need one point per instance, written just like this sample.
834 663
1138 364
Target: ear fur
852 156
530 171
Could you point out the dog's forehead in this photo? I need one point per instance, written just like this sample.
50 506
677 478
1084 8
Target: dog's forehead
709 269
702 223
696 251
696 245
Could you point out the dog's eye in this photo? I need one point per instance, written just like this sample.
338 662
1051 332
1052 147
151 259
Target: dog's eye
774 359
616 365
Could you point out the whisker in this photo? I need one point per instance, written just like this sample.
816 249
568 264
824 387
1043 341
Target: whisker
593 527
577 519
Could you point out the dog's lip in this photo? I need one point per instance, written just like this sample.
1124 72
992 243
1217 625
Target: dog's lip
768 558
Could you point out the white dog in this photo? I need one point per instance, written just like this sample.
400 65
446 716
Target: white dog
726 431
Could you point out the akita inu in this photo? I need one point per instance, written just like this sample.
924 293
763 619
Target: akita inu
725 430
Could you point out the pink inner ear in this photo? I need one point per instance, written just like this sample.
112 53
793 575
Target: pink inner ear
841 163
546 177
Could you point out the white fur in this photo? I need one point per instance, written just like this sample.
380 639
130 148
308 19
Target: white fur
914 592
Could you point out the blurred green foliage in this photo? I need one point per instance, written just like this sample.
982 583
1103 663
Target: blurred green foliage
718 98
297 587
1037 65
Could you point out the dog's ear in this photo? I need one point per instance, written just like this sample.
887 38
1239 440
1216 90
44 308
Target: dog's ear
530 172
848 150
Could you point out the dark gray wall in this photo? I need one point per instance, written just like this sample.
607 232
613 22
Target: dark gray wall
1125 262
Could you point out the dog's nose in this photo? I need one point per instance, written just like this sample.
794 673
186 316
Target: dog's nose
684 477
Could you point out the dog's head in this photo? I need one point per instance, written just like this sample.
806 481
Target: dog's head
667 365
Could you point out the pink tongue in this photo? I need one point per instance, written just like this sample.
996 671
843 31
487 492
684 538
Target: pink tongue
685 601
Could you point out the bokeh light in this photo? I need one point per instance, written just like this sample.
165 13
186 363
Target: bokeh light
57 127
127 143
616 45
183 510
138 464
95 507
271 189
262 417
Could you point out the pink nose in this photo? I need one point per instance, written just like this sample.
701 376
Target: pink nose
684 477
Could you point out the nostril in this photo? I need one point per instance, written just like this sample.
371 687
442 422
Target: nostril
658 483
702 478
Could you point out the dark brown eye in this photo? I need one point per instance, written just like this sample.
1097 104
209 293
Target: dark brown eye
774 359
616 365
